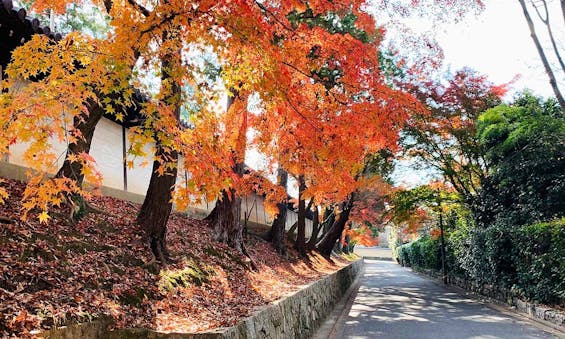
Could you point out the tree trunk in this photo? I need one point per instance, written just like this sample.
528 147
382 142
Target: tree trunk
315 231
156 209
563 9
226 215
300 243
325 225
157 206
85 124
326 245
543 57
290 232
276 233
345 245
442 241
329 219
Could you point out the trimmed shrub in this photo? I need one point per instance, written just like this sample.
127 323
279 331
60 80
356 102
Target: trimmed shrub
529 260
421 253
401 255
540 261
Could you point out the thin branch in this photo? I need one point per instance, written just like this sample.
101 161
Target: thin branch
297 69
266 10
140 8
545 20
543 57
6 220
302 115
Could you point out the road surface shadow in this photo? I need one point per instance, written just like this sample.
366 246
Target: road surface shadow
392 302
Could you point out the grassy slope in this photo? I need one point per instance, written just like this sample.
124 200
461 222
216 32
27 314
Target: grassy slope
56 273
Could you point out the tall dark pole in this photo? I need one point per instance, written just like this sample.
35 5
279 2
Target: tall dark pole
442 239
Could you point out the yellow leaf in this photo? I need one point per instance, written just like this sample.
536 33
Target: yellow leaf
43 217
3 195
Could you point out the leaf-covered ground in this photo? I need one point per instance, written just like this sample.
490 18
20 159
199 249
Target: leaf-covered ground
58 273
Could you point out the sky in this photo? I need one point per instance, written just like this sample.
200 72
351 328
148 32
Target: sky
497 43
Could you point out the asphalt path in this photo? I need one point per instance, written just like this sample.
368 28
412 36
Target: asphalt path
394 302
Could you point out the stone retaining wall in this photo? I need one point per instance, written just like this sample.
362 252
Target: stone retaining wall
297 316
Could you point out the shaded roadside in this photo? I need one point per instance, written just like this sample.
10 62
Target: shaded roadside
393 302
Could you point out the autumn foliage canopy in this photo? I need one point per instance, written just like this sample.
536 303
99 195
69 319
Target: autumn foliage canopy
310 72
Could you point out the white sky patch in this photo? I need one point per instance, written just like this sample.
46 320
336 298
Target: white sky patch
498 43
407 175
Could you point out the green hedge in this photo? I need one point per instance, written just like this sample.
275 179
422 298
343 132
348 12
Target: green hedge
540 261
423 253
530 260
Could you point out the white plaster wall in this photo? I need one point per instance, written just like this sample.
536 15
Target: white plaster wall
139 175
254 206
16 154
17 150
106 149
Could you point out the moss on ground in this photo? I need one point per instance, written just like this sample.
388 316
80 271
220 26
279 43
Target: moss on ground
191 274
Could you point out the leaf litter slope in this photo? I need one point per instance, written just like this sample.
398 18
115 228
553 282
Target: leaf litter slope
56 273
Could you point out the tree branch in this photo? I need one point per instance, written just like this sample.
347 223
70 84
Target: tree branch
6 220
140 8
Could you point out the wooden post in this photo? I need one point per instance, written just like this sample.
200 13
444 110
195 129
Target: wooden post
442 239
124 160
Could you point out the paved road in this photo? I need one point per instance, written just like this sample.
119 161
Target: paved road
393 302
373 252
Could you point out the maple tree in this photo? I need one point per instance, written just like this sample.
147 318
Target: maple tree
315 69
71 86
226 215
157 205
38 119
334 87
445 138
364 205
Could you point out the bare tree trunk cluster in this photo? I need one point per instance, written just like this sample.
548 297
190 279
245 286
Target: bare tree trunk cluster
326 245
